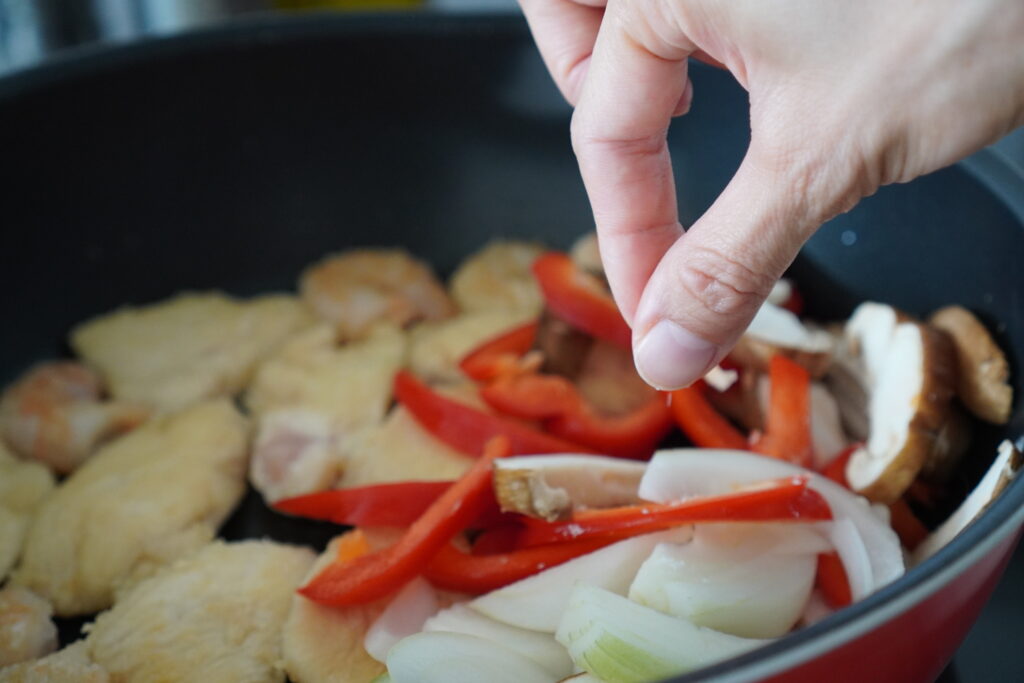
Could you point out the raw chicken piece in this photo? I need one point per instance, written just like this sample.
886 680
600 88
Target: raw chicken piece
499 278
26 630
144 500
213 616
325 644
53 413
437 348
70 665
23 486
310 398
401 450
194 346
357 289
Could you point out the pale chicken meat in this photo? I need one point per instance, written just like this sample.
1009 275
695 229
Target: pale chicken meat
142 501
26 630
437 348
54 414
310 399
23 487
499 278
70 665
358 289
214 616
192 347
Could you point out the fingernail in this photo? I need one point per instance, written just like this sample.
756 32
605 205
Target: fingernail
670 357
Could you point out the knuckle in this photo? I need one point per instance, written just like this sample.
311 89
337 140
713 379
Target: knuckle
721 284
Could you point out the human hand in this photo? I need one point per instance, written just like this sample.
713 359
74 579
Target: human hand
844 97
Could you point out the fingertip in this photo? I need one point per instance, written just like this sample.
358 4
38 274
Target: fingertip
671 357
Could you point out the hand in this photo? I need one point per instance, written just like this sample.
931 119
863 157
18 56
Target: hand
844 97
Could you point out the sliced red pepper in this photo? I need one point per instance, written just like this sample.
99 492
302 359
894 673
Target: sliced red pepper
567 414
788 427
785 500
907 526
377 574
578 298
398 504
467 429
832 581
701 423
452 569
502 537
501 355
836 468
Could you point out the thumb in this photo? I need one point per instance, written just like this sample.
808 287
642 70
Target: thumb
709 284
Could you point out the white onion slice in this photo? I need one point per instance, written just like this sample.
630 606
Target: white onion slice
872 556
542 648
737 587
618 640
405 614
537 602
458 658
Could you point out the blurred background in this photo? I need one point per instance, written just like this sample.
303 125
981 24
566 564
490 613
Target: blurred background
35 31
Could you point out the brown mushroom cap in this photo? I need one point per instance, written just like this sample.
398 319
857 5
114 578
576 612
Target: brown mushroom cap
909 367
982 370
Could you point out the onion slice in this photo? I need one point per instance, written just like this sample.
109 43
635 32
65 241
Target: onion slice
868 547
441 657
405 614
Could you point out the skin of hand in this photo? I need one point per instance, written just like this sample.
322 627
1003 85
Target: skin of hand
844 97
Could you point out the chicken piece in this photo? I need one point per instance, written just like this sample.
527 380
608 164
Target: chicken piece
325 644
357 289
399 450
586 254
26 630
437 348
213 616
70 665
23 486
54 414
499 278
194 346
310 398
144 500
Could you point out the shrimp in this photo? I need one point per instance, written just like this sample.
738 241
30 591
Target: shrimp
26 629
54 414
358 288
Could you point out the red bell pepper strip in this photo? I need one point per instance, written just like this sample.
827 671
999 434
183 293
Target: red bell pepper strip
907 526
567 414
377 574
398 504
836 468
452 569
701 423
498 538
467 429
501 355
785 500
788 427
832 581
578 298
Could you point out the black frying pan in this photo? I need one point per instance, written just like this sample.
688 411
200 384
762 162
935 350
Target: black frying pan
232 158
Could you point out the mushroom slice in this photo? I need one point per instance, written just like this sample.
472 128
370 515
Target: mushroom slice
909 369
1006 466
982 370
776 330
847 382
550 486
951 444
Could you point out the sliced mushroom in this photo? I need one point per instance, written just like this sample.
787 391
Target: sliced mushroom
564 348
776 330
910 375
951 444
982 370
847 381
550 487
1006 466
741 402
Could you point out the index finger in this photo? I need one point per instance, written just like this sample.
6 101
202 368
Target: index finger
619 134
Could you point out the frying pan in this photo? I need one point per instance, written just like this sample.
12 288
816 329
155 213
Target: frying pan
232 158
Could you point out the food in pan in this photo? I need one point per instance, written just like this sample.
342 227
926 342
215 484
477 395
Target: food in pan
497 459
